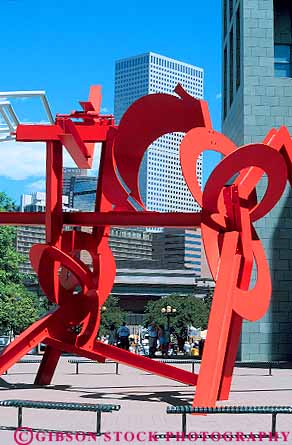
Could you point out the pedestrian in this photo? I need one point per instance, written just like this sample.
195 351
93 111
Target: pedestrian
153 335
187 348
163 338
182 338
112 338
201 347
123 334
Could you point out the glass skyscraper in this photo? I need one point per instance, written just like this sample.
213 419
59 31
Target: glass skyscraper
83 190
162 185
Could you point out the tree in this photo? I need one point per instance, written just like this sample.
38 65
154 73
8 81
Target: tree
6 203
113 314
190 310
18 307
9 258
208 299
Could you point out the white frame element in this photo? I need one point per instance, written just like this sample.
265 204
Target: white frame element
7 130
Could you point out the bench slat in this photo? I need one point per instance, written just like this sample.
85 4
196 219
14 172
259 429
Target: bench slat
186 409
59 405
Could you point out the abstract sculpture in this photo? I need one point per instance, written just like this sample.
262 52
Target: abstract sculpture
228 210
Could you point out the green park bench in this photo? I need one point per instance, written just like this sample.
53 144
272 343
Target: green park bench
193 362
62 406
181 361
27 361
187 409
77 362
249 364
265 365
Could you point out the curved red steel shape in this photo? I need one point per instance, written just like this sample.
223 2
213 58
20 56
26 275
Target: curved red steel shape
145 121
231 246
229 206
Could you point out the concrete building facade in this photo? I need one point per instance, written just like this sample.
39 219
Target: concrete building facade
27 236
136 287
257 95
178 248
136 249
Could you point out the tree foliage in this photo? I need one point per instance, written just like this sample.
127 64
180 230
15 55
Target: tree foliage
6 203
112 315
9 258
18 307
190 310
209 297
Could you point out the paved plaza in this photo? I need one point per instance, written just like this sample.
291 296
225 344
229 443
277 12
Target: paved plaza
143 399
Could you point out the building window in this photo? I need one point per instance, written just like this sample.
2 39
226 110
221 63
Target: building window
225 83
231 52
230 9
282 60
238 52
224 17
282 38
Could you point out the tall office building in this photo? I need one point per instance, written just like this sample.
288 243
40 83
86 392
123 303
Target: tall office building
162 185
36 202
83 193
257 95
69 175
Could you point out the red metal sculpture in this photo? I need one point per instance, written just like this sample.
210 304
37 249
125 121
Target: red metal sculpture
226 218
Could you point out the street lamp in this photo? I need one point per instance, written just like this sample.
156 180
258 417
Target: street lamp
168 311
103 310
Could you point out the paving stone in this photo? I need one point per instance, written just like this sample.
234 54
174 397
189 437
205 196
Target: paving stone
143 398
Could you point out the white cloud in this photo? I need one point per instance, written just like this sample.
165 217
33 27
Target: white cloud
37 186
20 160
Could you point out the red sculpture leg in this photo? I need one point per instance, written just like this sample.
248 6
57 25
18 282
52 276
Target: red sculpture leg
54 227
230 356
48 366
145 364
219 324
238 217
24 343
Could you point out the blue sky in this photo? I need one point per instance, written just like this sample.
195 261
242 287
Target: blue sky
65 46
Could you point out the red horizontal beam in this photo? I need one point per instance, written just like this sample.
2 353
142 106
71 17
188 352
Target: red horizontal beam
130 219
43 133
97 219
22 218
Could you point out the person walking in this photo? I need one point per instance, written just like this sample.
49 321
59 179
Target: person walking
153 335
182 338
112 338
124 333
163 338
